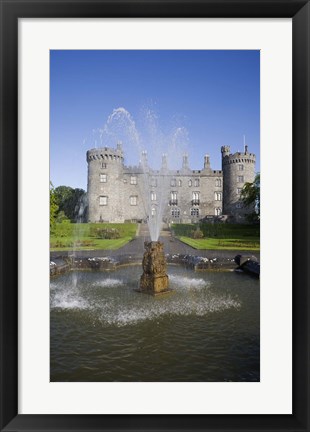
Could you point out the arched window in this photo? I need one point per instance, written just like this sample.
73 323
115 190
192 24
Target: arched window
218 196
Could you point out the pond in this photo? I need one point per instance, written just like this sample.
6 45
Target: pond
207 329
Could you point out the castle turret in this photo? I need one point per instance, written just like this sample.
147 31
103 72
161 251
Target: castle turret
238 169
105 166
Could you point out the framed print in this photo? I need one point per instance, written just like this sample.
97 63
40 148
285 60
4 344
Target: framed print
147 81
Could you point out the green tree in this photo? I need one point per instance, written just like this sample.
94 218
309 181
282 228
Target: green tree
70 202
53 207
250 196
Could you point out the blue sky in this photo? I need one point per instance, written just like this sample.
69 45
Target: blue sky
172 101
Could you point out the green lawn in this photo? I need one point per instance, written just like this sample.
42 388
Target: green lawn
67 236
222 244
220 236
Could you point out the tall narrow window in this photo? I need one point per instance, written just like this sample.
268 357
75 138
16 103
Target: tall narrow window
217 196
103 200
133 200
195 198
173 198
218 182
180 183
190 183
103 178
153 196
196 182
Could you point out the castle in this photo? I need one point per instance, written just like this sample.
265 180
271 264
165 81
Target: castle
118 193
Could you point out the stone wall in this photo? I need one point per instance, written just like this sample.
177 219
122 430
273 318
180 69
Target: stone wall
117 193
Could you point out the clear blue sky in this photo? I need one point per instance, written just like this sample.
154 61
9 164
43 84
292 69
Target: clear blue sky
200 100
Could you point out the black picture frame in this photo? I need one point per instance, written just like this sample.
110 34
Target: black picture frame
11 11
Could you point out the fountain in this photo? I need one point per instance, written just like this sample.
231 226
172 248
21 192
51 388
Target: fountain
154 279
121 126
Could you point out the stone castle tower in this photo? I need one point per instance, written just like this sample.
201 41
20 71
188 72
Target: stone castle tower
238 169
118 193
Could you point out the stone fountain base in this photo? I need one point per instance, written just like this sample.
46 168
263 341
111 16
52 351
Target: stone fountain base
154 279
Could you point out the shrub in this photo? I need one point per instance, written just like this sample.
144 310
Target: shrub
105 233
197 234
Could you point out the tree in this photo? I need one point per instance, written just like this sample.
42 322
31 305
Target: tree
250 196
70 202
53 207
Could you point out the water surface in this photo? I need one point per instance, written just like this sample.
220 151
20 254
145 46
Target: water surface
206 330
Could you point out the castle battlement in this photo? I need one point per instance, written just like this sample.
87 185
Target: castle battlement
117 192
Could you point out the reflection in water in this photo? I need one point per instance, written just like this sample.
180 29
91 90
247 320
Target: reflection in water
207 329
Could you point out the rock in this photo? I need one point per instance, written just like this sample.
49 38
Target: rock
154 279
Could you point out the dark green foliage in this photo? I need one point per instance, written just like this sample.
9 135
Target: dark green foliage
218 230
53 208
250 196
72 202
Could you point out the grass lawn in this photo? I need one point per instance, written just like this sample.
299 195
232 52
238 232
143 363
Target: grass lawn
222 244
220 236
67 236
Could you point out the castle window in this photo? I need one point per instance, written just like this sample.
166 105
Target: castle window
153 196
218 211
195 198
190 183
239 190
173 198
217 196
173 182
103 200
175 212
195 211
240 179
153 182
153 211
240 167
103 178
180 183
218 182
133 200
196 182
103 165
133 180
